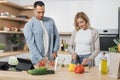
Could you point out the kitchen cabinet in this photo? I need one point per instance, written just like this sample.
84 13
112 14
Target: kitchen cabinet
13 19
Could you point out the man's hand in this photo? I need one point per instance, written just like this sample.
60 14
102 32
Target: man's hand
40 63
54 55
74 56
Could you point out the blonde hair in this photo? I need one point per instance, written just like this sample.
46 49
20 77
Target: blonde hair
84 17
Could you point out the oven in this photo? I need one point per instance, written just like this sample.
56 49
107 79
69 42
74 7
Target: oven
106 38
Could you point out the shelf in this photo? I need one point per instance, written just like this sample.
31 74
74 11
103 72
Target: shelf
8 3
12 53
11 32
14 18
28 7
20 32
65 33
63 52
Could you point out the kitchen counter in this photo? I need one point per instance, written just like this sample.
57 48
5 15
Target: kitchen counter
63 74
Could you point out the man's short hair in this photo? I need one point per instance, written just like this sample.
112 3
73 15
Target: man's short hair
38 3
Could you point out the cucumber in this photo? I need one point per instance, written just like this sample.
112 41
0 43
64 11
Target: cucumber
40 71
35 71
44 72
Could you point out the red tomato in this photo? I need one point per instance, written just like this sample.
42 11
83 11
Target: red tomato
41 63
79 69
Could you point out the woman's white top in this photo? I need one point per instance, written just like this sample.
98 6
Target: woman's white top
82 41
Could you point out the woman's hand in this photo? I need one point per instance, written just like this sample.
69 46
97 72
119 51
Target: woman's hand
85 61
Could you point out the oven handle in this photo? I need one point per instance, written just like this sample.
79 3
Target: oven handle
107 35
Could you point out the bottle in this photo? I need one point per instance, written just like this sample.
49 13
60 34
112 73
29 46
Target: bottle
103 64
62 45
65 46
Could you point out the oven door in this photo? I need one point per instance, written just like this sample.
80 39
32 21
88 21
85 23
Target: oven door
106 41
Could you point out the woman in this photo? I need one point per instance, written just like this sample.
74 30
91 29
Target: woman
84 43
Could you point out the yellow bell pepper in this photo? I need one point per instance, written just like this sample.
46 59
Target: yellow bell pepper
71 67
119 48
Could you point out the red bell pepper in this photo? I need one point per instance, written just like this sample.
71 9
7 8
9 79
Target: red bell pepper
79 69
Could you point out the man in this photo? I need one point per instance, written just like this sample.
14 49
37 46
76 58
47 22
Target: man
41 35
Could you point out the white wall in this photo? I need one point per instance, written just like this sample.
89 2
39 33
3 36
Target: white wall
27 2
15 1
102 13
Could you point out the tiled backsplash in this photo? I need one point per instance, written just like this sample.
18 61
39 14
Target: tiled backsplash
5 39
